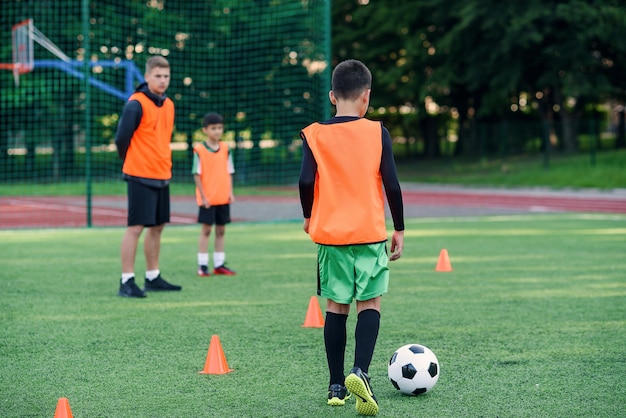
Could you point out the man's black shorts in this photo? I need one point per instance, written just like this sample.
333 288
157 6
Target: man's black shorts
147 206
214 215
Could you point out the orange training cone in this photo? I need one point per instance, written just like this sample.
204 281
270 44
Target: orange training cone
215 359
63 409
443 264
314 318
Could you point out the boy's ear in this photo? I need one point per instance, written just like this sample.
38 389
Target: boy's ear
333 99
366 95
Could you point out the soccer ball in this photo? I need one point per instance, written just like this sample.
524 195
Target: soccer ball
413 369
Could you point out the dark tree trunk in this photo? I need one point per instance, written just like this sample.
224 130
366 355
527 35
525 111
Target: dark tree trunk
620 141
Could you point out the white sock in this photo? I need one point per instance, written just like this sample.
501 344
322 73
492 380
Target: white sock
218 259
152 274
203 259
127 276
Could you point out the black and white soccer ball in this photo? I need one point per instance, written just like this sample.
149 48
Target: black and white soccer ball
413 369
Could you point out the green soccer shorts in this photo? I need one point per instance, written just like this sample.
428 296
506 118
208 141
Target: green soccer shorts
348 272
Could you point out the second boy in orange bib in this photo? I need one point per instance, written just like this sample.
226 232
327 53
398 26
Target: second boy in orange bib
212 172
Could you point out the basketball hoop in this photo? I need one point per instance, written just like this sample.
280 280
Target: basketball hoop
24 34
23 57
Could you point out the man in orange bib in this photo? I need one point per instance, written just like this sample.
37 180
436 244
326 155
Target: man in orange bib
143 141
346 161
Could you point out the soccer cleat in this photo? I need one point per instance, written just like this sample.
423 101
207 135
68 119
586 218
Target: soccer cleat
130 289
358 383
337 395
203 271
223 270
159 284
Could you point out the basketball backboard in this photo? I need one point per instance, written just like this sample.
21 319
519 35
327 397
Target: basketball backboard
23 56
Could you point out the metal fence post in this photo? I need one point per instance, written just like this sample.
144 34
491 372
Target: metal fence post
87 129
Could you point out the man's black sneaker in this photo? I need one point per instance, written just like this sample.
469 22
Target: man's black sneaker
358 383
337 395
130 289
159 284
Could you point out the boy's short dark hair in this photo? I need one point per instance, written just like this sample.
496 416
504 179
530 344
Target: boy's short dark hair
350 78
212 119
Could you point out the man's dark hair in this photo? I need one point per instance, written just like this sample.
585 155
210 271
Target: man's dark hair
350 78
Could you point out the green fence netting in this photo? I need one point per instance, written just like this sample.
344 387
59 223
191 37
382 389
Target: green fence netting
69 67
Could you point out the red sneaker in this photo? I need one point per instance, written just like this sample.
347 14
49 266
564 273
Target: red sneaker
223 270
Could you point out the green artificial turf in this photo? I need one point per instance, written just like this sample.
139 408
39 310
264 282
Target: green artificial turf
531 322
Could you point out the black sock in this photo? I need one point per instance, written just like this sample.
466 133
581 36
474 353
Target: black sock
335 341
366 334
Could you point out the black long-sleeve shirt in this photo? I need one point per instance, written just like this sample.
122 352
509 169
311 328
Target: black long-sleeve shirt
387 171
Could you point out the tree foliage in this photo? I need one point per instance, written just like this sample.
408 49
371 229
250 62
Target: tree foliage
257 62
478 58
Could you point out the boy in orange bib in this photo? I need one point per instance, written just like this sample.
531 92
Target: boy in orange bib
212 172
346 161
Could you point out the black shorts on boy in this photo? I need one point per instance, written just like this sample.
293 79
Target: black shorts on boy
214 215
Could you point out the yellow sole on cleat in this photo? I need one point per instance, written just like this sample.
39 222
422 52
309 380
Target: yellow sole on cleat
365 403
336 402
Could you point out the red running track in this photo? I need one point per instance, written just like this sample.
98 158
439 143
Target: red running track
56 212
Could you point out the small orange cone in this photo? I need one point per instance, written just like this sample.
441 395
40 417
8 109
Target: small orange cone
215 360
314 318
443 264
63 409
